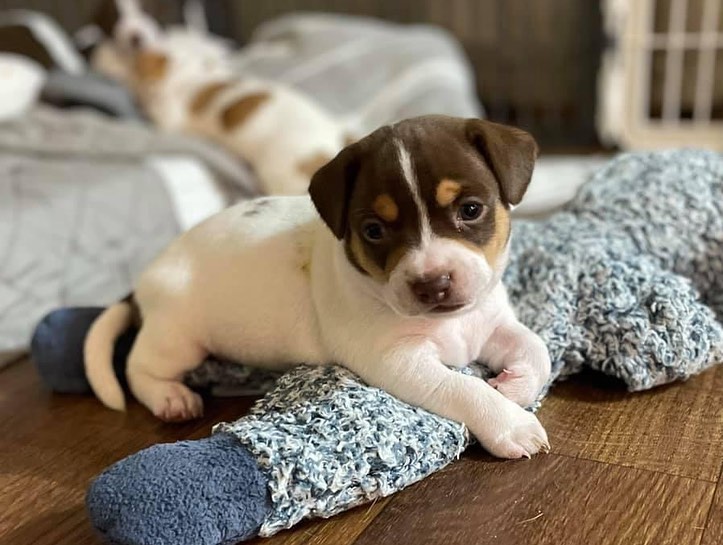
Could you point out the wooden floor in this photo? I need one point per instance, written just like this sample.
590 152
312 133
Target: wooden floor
627 469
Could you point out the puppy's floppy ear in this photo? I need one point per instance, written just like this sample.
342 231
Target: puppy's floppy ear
510 153
331 188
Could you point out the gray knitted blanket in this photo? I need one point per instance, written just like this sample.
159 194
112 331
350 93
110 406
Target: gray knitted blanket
627 280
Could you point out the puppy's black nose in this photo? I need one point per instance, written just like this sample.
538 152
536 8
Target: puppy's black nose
432 290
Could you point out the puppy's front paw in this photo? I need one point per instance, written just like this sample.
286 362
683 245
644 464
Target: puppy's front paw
513 433
519 384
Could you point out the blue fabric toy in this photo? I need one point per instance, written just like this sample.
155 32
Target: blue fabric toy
627 280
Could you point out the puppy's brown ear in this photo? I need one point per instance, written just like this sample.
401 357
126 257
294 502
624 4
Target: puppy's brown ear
510 153
331 188
151 66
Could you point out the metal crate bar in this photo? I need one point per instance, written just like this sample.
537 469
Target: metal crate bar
705 81
674 62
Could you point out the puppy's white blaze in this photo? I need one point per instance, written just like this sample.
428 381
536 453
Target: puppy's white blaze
405 162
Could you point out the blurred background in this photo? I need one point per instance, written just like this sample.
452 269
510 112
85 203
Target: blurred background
91 189
579 75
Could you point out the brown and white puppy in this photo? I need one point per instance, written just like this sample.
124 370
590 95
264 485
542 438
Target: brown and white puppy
183 81
391 269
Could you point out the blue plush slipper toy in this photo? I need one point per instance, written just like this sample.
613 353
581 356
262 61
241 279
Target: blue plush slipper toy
627 280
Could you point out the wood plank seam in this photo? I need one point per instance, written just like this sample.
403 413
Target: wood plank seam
632 466
671 487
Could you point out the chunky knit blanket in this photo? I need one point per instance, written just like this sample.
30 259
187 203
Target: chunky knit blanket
627 280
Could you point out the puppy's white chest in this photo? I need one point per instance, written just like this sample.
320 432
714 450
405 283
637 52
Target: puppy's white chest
460 341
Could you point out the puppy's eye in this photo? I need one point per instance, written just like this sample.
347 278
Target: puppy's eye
373 230
470 210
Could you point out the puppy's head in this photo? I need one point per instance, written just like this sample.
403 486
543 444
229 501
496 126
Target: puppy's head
180 57
135 28
422 208
128 31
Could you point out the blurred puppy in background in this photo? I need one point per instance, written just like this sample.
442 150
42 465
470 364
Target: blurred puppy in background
181 77
120 28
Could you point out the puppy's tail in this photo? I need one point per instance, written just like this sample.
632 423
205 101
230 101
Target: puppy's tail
98 353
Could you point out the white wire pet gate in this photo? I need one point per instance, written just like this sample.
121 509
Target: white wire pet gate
661 81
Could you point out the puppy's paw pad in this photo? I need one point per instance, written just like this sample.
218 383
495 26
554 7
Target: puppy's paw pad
503 377
517 386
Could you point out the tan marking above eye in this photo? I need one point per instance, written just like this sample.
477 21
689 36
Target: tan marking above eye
205 96
447 192
240 110
385 207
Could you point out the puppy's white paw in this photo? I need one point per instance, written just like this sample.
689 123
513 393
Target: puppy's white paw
519 384
513 433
